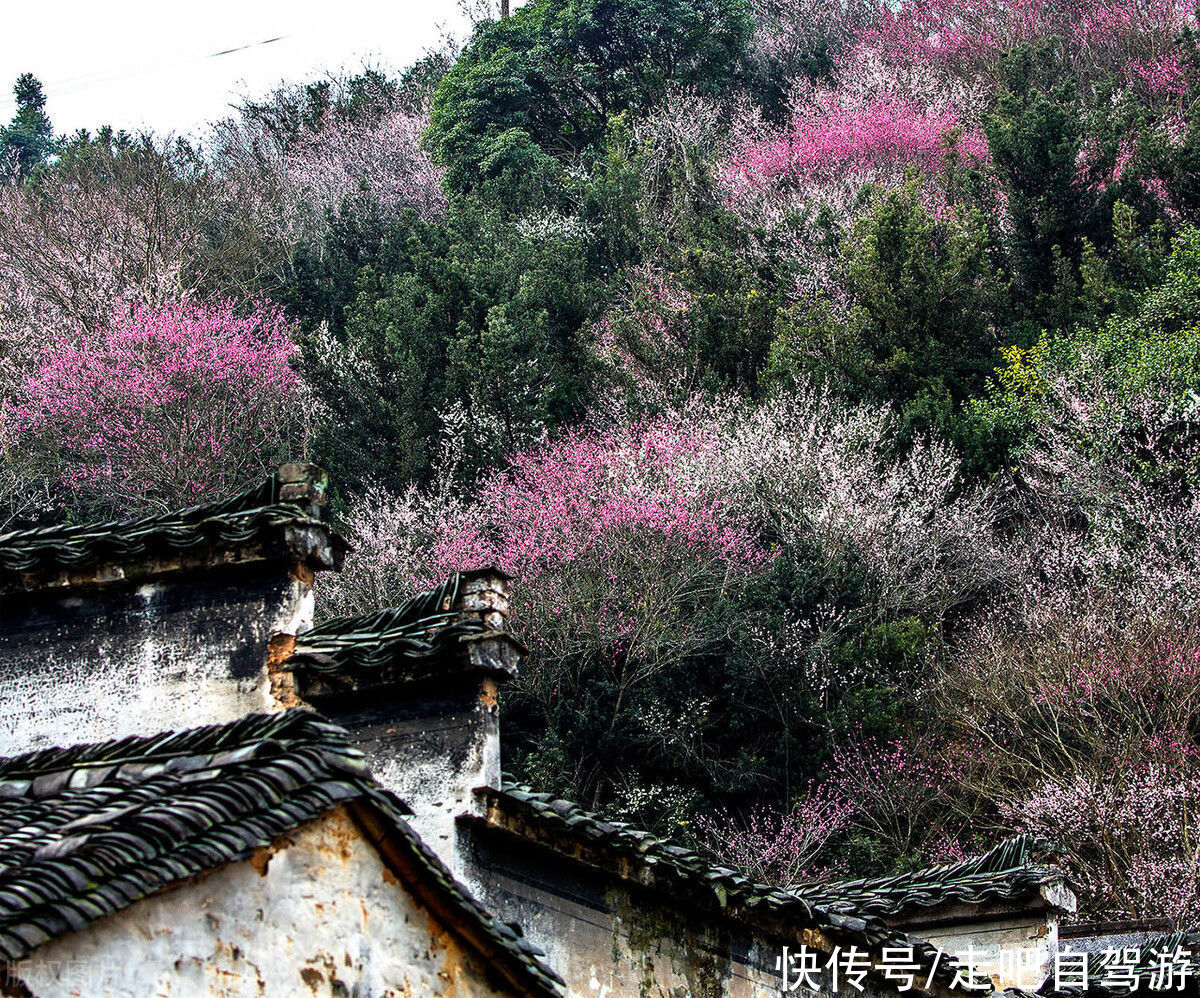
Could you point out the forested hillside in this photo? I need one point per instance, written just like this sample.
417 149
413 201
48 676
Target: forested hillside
825 373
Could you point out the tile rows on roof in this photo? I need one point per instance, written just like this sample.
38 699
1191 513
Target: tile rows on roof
1014 870
429 633
86 831
420 628
240 519
651 853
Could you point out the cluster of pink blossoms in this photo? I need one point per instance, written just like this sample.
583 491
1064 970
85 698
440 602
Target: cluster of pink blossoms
166 405
615 538
1131 39
1120 687
571 500
836 144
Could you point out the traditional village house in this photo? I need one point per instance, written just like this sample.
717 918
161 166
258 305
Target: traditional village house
1005 905
235 854
616 909
250 858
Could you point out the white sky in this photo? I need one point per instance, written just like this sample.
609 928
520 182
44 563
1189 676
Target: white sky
135 64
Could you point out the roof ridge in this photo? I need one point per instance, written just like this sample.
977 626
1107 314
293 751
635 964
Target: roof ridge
1008 872
649 839
726 883
425 609
260 496
296 726
430 632
291 497
1013 853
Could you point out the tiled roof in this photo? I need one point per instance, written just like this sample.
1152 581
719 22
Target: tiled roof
659 860
1013 871
258 514
426 634
86 831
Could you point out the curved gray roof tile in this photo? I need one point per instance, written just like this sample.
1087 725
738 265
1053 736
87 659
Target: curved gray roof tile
88 830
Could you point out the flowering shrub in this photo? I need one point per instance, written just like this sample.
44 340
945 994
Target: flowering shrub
286 180
792 35
835 147
780 848
166 406
833 141
1131 834
611 542
1131 39
379 161
896 792
813 470
1082 727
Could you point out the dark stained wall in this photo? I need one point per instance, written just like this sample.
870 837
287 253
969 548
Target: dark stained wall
431 744
610 938
89 664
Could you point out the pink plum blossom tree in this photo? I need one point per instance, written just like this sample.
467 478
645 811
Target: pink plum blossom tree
108 223
781 848
1131 40
165 406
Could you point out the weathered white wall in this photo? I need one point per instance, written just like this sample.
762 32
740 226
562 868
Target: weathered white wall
321 915
1016 952
1014 944
116 661
609 939
432 748
631 950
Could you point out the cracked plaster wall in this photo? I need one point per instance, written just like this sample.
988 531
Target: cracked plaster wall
318 914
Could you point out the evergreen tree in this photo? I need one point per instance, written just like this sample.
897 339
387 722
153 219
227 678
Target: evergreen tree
29 136
1057 159
559 71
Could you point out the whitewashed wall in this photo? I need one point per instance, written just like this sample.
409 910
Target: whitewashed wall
320 916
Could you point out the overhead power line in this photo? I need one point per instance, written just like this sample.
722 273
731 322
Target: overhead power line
115 74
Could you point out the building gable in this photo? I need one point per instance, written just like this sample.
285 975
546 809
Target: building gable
88 833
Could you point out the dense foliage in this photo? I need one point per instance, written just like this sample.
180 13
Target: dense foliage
826 374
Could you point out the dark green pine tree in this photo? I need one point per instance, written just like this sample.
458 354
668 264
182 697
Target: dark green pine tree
1177 162
29 135
1035 137
1056 153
